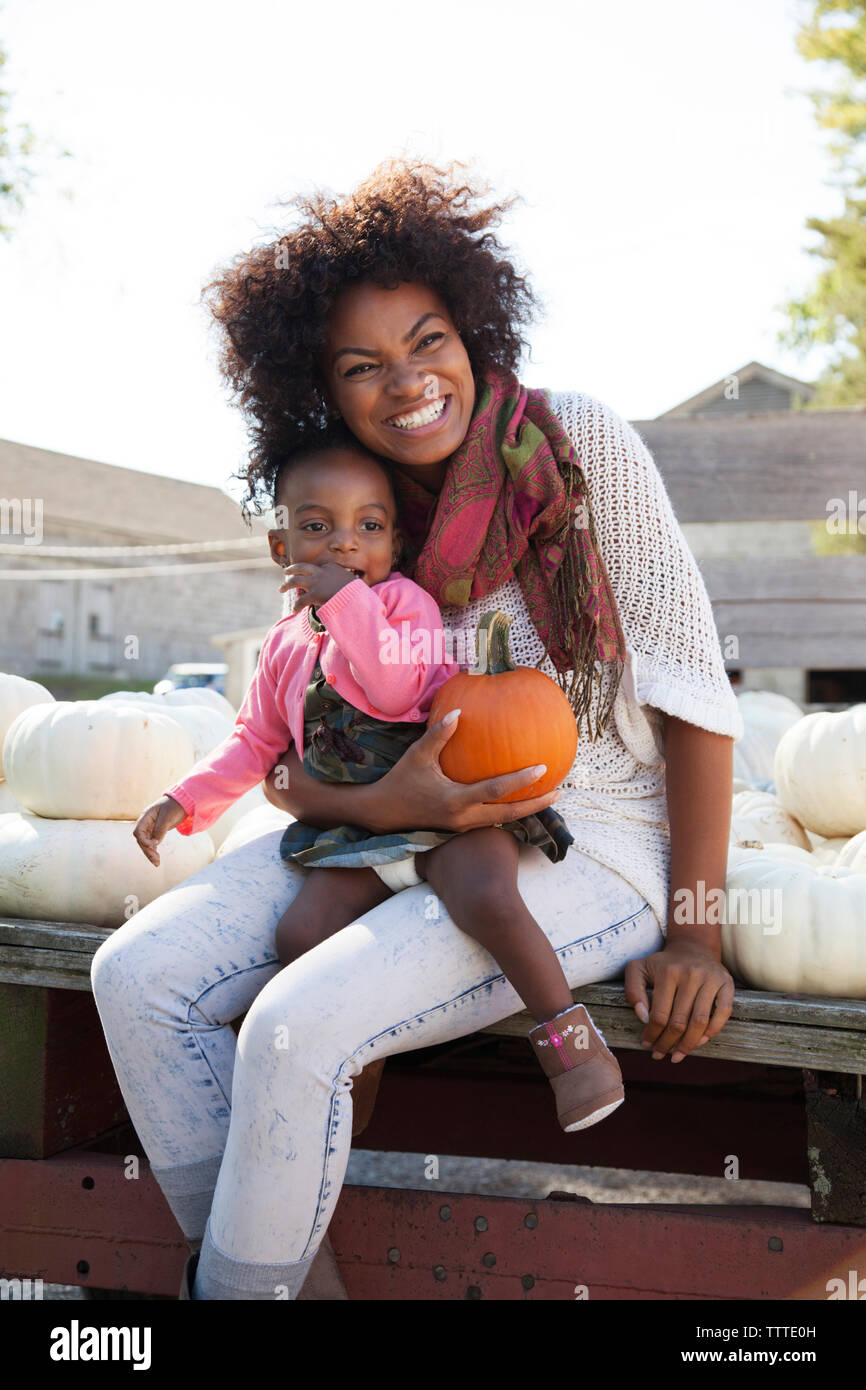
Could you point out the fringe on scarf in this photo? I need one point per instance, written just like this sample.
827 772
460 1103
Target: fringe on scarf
580 678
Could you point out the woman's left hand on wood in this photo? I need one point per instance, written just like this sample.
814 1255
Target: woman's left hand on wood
692 997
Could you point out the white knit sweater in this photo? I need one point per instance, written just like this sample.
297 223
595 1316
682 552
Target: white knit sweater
614 799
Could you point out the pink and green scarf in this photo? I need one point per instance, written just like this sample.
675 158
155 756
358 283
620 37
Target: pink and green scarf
515 502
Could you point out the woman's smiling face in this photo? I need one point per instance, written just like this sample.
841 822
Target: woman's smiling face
396 369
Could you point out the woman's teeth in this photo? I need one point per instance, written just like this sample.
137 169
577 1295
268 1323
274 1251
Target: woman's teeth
425 416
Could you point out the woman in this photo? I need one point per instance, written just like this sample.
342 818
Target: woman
392 309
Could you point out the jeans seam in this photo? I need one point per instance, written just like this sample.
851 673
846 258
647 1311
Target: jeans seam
194 1004
632 917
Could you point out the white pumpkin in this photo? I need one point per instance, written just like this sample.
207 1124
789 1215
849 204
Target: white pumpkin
820 771
128 697
826 851
793 926
792 854
852 855
206 725
7 800
761 816
87 870
86 760
766 716
246 805
262 821
768 705
200 695
17 694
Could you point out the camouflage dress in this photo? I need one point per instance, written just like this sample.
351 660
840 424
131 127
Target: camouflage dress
343 744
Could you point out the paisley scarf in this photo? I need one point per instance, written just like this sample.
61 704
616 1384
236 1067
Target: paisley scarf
515 502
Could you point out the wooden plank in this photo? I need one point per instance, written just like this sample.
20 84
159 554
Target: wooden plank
59 1086
62 936
405 1245
770 1042
836 1120
401 1245
44 976
30 957
753 1004
784 467
833 579
819 635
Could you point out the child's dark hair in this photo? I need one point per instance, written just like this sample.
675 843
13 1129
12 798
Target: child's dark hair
335 435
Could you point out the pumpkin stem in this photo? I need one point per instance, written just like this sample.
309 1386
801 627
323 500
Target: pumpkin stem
494 650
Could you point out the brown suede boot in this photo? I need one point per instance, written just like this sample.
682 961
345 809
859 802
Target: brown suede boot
581 1068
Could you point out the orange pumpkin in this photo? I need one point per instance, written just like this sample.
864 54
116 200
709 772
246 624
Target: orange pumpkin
511 717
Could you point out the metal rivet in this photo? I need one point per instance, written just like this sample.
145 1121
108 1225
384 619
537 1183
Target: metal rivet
473 1291
531 1221
774 1243
394 1256
82 1267
88 1183
445 1213
440 1273
527 1281
489 1260
481 1223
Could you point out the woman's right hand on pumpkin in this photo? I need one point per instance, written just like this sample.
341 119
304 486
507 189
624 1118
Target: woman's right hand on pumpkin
164 815
414 794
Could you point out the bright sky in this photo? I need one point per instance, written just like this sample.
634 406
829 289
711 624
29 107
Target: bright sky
667 154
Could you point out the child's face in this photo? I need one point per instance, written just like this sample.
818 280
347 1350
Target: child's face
337 507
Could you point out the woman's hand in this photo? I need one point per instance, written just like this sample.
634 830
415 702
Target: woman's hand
414 794
693 995
164 815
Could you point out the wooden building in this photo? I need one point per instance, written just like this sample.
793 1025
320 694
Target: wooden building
112 573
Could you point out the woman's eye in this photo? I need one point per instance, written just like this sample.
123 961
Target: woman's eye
377 524
312 523
430 338
362 366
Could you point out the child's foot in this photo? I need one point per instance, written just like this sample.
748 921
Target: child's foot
581 1068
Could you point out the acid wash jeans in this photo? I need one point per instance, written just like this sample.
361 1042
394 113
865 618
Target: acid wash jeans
249 1136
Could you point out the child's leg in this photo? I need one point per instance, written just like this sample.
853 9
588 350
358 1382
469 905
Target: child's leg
475 875
327 901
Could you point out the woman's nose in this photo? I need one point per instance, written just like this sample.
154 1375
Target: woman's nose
406 382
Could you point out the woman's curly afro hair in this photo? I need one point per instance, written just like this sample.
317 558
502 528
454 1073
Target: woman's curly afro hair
408 222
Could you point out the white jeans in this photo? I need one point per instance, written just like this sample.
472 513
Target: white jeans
255 1131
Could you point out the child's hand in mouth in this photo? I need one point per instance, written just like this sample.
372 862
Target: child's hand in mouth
317 583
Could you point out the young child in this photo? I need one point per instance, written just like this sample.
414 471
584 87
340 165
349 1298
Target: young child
323 684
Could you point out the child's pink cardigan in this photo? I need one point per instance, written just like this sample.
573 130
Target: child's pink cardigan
362 621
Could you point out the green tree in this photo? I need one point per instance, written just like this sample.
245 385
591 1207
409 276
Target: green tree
16 144
834 310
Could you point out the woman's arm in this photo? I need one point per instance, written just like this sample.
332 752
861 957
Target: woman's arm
692 991
414 794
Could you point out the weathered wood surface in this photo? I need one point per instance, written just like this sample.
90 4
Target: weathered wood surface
76 1219
783 467
835 579
52 954
778 1030
63 936
836 1130
58 1085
